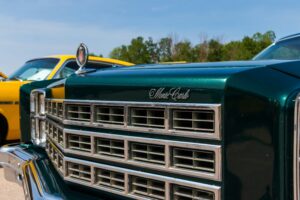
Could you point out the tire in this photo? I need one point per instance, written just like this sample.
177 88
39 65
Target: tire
3 129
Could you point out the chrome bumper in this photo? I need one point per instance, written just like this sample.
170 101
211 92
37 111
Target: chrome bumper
19 167
12 159
30 167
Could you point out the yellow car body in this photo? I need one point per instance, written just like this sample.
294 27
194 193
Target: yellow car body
9 95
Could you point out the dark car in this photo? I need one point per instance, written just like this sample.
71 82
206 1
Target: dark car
213 131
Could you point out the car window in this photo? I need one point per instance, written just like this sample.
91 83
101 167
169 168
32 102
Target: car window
283 50
35 70
71 66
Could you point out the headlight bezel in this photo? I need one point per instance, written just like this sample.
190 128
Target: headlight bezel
37 117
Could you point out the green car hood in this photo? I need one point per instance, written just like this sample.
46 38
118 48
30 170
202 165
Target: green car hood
206 81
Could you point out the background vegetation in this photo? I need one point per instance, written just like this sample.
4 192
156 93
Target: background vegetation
169 49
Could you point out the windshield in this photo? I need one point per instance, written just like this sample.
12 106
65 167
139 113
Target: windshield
288 49
35 70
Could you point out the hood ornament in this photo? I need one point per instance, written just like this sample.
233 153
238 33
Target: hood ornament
174 94
82 58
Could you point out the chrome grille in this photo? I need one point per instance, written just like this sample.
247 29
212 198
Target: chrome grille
188 193
79 142
54 108
193 159
147 117
147 153
53 131
148 188
110 179
193 120
78 112
172 155
79 172
109 114
187 120
109 147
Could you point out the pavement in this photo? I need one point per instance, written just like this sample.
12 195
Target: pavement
9 190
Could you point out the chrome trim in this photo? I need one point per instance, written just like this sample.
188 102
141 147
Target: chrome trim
216 135
169 181
296 156
167 167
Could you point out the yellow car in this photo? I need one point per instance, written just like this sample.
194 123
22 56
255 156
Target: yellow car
52 67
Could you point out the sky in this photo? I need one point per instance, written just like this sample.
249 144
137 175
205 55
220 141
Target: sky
37 28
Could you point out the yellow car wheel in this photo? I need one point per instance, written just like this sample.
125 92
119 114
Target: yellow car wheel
3 129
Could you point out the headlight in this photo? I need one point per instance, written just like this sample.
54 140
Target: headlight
37 102
38 135
37 109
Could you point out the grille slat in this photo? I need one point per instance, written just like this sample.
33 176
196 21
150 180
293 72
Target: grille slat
188 193
79 171
79 142
109 115
110 147
193 120
78 112
111 179
147 153
147 187
193 159
147 117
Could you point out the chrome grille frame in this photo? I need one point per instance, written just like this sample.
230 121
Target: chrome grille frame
296 155
168 107
167 167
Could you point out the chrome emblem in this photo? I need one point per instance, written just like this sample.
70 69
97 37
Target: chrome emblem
174 94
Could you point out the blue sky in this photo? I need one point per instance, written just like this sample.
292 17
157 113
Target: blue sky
35 28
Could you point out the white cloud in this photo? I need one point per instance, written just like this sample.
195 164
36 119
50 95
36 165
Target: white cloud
21 40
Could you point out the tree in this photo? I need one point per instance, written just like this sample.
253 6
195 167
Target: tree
183 51
165 49
215 50
169 49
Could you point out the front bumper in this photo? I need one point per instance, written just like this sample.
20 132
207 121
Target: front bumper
29 166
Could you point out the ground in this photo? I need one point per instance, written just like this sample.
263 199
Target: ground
9 190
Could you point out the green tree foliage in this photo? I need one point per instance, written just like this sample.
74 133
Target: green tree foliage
93 54
142 50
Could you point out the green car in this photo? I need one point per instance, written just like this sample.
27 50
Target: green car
200 131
